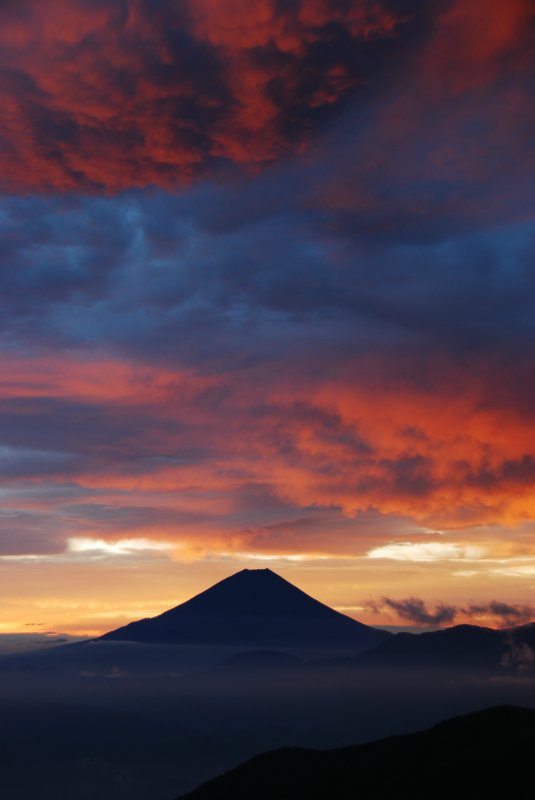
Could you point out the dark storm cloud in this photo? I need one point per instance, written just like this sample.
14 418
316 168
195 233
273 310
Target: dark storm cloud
150 272
56 424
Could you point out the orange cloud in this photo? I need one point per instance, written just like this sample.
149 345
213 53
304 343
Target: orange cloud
107 380
411 444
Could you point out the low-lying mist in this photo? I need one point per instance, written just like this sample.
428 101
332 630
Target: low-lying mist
183 715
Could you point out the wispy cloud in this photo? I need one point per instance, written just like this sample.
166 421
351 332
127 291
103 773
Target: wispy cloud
417 611
122 547
427 552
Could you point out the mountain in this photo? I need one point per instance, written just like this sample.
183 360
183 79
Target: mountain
488 754
459 647
253 609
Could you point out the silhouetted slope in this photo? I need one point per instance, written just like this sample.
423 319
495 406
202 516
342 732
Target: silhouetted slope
488 754
459 647
254 608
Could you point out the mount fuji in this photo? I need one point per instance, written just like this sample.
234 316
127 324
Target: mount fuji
252 609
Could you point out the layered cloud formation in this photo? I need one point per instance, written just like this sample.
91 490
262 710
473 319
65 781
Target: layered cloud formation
266 282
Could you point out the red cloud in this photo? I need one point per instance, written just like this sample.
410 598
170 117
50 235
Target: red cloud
110 94
475 42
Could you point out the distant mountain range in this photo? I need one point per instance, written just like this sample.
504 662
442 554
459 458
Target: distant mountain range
488 754
253 609
460 647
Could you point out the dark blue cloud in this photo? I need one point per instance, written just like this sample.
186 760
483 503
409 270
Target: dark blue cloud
147 274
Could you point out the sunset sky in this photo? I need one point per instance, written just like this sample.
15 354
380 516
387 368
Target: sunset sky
267 298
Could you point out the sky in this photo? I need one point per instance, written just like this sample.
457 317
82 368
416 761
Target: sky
267 299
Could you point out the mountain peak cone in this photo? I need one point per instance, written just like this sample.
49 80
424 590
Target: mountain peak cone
250 609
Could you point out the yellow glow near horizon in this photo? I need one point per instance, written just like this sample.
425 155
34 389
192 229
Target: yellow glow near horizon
73 594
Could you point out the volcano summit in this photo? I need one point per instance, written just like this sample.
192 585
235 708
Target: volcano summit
252 609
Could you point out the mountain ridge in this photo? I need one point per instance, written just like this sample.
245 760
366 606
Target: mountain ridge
459 646
486 753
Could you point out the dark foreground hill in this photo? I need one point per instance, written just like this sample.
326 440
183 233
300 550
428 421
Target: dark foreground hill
463 647
488 754
253 609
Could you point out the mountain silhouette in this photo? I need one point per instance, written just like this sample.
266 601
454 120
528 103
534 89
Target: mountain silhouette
459 647
254 609
488 754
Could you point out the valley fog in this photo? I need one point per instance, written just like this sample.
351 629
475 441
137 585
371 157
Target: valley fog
157 734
